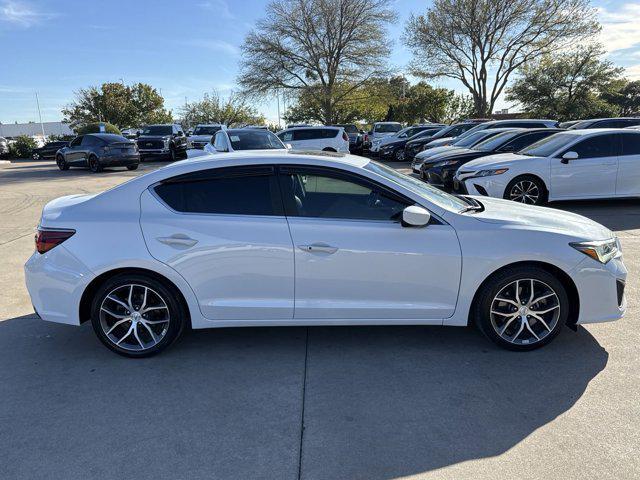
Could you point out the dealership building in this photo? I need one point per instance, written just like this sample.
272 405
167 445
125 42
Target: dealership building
33 129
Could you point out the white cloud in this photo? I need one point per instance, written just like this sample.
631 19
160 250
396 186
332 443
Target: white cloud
620 27
21 14
219 46
633 72
219 7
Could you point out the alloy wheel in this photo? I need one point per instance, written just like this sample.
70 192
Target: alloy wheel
134 317
525 311
399 155
525 191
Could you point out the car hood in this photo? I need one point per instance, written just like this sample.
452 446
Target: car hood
497 160
200 138
518 215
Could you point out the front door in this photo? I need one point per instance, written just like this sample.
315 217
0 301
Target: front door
73 154
355 261
628 184
592 174
224 231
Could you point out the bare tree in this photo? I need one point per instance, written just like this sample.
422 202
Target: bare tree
317 47
482 42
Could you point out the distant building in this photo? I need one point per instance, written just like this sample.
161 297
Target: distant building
33 129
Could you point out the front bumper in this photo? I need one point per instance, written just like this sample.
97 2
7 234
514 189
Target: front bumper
490 186
149 152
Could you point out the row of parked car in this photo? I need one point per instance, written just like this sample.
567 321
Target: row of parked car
535 161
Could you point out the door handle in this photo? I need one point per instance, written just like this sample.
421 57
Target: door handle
178 240
318 247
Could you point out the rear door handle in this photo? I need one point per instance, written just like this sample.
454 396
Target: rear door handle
178 240
318 247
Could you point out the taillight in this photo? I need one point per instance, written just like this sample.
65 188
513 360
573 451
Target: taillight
345 137
47 239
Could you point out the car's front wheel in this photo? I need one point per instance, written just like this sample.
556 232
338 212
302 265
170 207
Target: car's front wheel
398 155
521 308
526 189
136 315
61 163
94 164
132 167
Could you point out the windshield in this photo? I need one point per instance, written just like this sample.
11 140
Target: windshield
206 130
440 198
547 146
157 130
254 140
495 141
424 133
387 128
349 128
474 138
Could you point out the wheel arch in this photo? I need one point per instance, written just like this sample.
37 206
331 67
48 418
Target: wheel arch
526 175
562 276
93 286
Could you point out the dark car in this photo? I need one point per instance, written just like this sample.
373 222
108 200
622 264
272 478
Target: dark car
97 151
49 150
621 122
356 137
416 144
166 140
441 173
395 150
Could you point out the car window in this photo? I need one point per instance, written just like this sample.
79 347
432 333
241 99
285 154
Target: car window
326 194
387 127
254 140
229 191
329 132
91 141
630 143
595 147
76 141
306 134
286 136
495 141
220 142
157 130
523 141
201 130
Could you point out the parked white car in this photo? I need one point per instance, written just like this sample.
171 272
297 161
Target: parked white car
235 139
328 139
406 132
576 164
381 130
287 238
203 134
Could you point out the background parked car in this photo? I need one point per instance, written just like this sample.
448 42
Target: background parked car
203 134
49 150
442 172
620 122
131 133
394 148
4 147
403 134
234 139
97 151
416 144
571 165
356 137
329 139
165 140
380 130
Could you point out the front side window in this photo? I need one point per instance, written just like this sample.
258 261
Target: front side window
333 194
630 143
230 191
596 147
201 130
286 136
387 128
76 141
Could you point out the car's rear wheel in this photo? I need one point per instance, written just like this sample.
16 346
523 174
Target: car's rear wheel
132 167
526 189
398 155
94 164
62 163
136 315
521 308
173 156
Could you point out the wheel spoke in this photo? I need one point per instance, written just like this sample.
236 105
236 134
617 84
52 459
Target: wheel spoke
506 300
120 322
539 299
144 299
519 330
503 314
135 333
531 293
539 318
518 292
115 315
125 335
130 297
506 325
153 335
149 309
526 324
542 312
119 302
154 322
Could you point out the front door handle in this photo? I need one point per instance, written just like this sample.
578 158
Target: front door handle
178 240
318 247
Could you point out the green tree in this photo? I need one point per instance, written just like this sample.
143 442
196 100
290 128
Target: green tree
231 110
95 128
567 86
22 147
482 42
324 48
422 102
121 105
624 96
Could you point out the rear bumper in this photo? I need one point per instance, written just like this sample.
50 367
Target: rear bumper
119 160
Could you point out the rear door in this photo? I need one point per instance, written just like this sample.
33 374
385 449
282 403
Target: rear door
628 182
224 231
593 174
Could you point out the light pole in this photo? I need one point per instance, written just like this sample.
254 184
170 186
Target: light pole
40 115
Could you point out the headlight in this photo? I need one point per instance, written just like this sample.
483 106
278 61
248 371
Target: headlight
166 142
487 173
600 250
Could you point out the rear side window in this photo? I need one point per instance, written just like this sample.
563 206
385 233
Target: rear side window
89 141
227 191
595 147
329 132
630 144
524 141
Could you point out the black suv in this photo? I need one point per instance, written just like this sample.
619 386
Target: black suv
97 151
49 150
356 137
167 141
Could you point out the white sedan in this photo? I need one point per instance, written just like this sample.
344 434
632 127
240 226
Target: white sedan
234 139
286 238
572 165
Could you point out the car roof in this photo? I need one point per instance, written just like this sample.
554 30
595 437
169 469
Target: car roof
105 136
209 125
244 130
593 131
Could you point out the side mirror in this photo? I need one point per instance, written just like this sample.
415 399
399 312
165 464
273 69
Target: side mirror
571 155
415 216
288 145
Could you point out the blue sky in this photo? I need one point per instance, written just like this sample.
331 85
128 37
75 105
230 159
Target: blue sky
183 48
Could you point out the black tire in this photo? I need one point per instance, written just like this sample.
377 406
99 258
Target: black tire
517 188
94 164
62 163
173 156
486 302
177 315
132 167
398 155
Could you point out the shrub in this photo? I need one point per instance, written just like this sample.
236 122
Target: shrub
95 128
22 147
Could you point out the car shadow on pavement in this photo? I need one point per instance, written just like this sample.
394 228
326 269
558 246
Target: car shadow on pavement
375 402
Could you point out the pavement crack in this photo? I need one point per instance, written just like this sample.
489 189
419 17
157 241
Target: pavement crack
304 397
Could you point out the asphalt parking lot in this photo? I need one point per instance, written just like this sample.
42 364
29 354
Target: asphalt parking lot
315 403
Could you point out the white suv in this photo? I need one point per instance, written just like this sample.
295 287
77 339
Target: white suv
328 139
202 134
